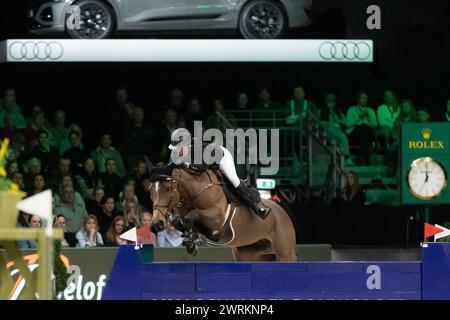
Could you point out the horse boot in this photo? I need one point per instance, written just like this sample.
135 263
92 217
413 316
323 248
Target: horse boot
253 200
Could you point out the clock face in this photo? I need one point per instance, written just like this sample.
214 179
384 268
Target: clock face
427 179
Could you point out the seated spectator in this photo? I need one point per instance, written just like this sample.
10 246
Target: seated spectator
60 222
170 237
63 170
333 120
132 214
93 203
59 131
146 222
176 101
47 154
9 108
219 120
17 178
35 128
87 179
65 143
106 216
111 181
106 151
127 195
12 132
31 168
265 104
68 182
145 200
115 230
75 153
139 173
194 113
299 107
88 236
137 139
168 125
361 122
74 213
33 222
38 184
423 115
242 104
12 166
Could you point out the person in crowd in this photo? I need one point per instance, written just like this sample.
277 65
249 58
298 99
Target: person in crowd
353 193
73 212
242 104
31 168
169 238
139 173
88 236
60 222
145 221
132 214
299 107
387 114
127 195
67 181
423 115
33 222
117 227
194 113
75 153
12 166
168 125
361 122
333 120
176 101
138 139
93 203
9 108
66 143
111 181
38 184
45 152
107 214
17 178
59 131
12 132
106 151
87 179
266 106
34 129
219 120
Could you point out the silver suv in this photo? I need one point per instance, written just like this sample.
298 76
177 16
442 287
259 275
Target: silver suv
99 19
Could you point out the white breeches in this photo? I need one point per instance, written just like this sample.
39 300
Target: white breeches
228 169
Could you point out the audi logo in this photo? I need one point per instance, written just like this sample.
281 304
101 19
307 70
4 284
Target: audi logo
40 50
345 50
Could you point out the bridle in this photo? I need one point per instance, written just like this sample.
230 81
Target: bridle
182 203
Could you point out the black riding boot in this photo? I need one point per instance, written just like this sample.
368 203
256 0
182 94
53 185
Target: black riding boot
254 202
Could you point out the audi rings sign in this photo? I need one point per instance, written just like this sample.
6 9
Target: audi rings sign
186 50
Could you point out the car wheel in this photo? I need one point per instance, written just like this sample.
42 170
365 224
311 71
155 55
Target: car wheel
97 21
262 19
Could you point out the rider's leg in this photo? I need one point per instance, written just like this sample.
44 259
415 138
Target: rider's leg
229 170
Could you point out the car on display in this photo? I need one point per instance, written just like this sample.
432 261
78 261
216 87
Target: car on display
100 19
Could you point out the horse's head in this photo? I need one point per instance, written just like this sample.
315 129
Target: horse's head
164 194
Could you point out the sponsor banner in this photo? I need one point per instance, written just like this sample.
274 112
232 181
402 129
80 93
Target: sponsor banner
217 50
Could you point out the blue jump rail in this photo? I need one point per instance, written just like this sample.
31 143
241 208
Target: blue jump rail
412 280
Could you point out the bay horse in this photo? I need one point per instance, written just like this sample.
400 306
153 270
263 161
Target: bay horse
198 199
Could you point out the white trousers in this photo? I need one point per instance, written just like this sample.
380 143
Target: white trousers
228 168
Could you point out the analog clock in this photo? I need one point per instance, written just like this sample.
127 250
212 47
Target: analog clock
427 179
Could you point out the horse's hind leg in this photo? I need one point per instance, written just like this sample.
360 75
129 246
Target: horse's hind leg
283 239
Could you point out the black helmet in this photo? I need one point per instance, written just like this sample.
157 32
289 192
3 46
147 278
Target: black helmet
179 135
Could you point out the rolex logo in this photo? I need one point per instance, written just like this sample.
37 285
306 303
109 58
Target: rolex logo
426 133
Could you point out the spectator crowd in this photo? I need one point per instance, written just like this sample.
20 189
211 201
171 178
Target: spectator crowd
100 193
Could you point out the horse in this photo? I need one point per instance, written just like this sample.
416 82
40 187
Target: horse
199 201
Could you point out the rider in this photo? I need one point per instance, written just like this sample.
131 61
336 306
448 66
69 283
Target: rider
182 152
